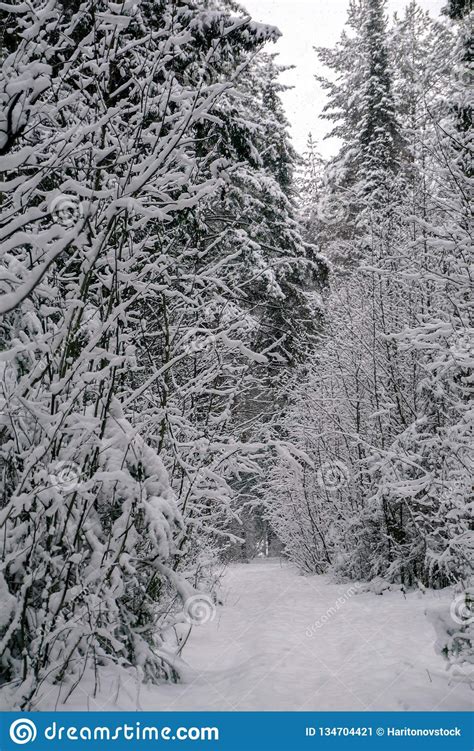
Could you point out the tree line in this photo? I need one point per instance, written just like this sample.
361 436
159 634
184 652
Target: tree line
383 407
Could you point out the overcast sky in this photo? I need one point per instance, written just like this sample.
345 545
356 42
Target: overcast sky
305 24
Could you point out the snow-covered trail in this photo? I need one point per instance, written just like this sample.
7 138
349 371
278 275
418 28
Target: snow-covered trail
373 652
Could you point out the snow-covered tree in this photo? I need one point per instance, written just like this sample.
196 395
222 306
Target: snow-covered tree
383 412
309 185
105 291
430 465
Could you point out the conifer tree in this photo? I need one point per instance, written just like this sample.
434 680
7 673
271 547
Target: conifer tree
110 282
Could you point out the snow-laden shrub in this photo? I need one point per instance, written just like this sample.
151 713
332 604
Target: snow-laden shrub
454 627
103 171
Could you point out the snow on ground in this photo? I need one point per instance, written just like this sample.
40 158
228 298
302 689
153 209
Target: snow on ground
263 651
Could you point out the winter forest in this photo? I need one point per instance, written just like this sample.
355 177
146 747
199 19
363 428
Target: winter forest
236 381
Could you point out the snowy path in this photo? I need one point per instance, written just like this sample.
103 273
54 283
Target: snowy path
374 652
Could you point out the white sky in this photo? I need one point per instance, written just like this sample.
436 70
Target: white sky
304 25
